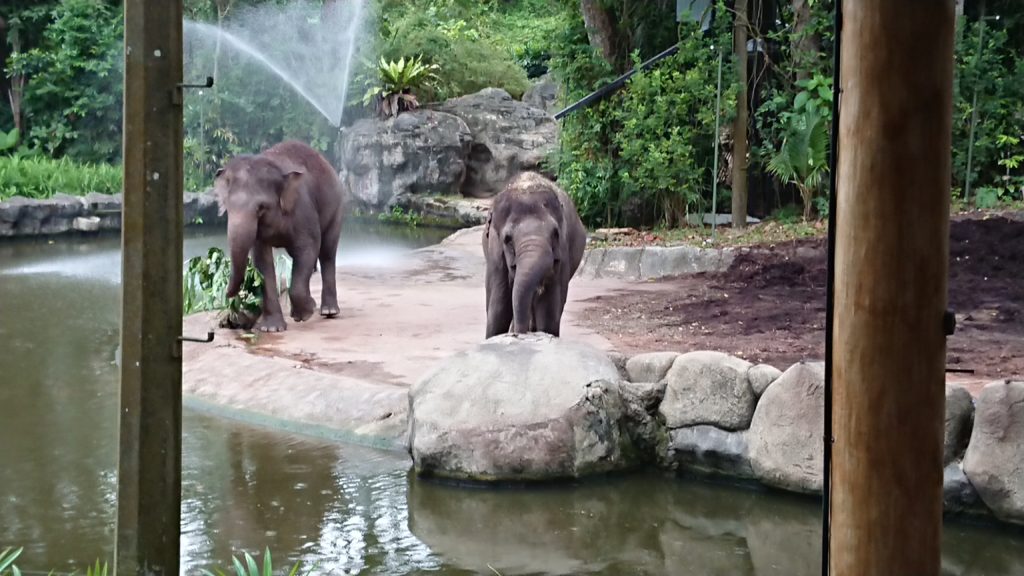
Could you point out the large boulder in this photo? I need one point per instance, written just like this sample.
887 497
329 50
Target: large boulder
786 432
708 388
994 462
418 152
959 418
508 137
650 366
707 450
543 94
520 408
761 376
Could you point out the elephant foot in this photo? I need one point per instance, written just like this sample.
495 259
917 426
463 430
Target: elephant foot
304 311
271 324
330 311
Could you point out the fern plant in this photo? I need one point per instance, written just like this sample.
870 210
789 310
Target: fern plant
802 158
250 568
395 89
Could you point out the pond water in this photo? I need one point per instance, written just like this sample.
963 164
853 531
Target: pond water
346 508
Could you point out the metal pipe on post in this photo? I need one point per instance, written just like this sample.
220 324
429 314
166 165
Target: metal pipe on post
149 463
892 238
714 169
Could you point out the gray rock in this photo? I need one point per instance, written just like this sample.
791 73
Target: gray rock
959 418
994 462
10 209
519 408
761 376
708 450
508 137
650 366
543 94
786 431
958 495
708 388
640 401
662 261
446 210
86 223
620 359
419 152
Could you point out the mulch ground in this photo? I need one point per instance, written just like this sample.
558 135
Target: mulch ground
770 305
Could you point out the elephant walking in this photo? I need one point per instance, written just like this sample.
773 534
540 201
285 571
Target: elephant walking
533 243
287 197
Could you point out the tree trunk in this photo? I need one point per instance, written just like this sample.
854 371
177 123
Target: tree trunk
600 29
805 44
739 131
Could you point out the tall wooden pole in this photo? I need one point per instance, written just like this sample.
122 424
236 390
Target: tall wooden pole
149 465
891 266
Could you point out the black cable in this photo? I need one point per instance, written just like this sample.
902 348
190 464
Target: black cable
830 292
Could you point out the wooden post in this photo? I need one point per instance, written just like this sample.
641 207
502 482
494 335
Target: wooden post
149 465
892 238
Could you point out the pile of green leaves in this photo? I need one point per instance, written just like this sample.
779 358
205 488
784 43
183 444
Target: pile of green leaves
42 177
645 155
206 280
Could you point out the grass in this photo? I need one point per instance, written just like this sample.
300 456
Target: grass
244 566
39 177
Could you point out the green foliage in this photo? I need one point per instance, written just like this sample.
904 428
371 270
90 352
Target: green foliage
646 153
206 280
458 37
41 177
250 567
7 558
72 104
394 89
998 78
8 140
803 157
399 216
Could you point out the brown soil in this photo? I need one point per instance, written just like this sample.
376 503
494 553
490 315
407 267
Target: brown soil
770 305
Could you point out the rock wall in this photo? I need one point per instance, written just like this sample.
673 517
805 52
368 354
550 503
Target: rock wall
62 213
700 413
468 146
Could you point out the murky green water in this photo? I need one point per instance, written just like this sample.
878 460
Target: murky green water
349 509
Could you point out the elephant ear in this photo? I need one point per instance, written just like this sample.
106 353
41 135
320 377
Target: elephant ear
220 192
290 190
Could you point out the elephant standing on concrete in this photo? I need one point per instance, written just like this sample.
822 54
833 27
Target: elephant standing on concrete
533 243
286 197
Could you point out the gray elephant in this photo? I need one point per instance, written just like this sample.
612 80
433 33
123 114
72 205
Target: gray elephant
286 197
533 243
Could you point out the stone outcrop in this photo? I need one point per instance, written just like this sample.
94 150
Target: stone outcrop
94 212
709 450
761 376
650 366
418 152
708 388
994 462
543 94
508 137
520 408
786 431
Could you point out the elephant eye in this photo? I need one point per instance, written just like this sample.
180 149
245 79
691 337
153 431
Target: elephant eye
508 238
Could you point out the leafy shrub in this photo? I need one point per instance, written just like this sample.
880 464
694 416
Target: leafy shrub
206 280
72 100
646 153
456 37
41 177
802 158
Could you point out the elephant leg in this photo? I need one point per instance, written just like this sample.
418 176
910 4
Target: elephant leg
328 252
302 301
271 318
499 303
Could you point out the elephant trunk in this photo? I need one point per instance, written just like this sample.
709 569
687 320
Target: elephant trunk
241 238
532 269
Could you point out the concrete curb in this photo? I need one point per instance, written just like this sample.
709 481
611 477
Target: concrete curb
652 262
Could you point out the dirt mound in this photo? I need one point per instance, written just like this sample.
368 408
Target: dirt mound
770 305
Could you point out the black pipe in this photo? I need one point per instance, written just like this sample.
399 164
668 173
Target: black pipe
606 90
830 289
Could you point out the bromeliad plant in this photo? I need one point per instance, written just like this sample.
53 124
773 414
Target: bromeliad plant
206 281
394 90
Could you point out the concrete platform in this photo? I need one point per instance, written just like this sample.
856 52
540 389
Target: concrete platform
347 377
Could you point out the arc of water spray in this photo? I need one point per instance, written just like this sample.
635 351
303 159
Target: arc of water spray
254 53
352 27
